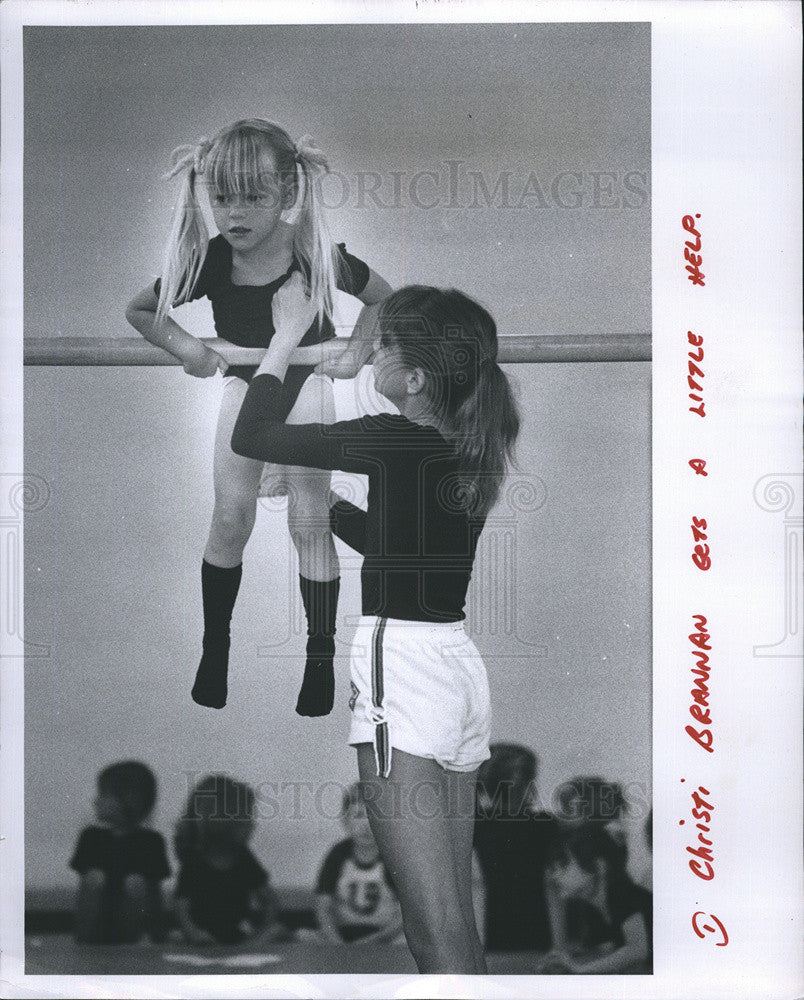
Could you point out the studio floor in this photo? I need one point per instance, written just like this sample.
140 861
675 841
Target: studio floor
61 955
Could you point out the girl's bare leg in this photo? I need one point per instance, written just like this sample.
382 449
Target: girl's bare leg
237 482
422 838
308 490
319 571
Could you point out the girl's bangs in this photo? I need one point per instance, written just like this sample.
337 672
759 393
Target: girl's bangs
235 166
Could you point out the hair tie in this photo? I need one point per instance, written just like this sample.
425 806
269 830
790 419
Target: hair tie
202 148
189 157
308 152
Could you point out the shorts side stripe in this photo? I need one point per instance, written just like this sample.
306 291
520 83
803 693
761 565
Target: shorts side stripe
382 748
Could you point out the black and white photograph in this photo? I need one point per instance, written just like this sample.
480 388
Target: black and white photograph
337 610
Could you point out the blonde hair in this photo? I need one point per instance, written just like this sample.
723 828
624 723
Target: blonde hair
232 163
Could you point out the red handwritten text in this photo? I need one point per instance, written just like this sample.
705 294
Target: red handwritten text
702 929
695 357
702 861
699 709
692 251
700 554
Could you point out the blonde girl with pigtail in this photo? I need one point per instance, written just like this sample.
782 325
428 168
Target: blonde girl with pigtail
256 178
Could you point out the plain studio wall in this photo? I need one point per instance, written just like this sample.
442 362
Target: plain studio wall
511 161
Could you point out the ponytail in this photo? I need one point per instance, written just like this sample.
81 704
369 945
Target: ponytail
485 427
453 340
312 242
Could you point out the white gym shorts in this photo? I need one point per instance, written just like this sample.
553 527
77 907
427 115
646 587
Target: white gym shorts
420 687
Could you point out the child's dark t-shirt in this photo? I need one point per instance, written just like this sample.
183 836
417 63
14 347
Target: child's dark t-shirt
137 852
513 850
221 899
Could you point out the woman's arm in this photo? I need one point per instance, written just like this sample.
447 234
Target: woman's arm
347 522
375 290
260 432
196 358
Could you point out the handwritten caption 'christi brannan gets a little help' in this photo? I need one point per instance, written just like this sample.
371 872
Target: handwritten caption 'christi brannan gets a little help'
700 853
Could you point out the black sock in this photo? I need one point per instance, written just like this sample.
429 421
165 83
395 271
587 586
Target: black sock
219 588
320 598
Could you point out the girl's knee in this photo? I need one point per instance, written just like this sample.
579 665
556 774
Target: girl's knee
308 513
232 522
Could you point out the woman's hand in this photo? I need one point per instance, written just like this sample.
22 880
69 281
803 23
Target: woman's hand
203 362
337 360
293 312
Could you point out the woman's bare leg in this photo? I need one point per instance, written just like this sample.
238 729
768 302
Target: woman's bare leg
462 795
421 836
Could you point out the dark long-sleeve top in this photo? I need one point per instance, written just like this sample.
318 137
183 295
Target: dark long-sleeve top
417 537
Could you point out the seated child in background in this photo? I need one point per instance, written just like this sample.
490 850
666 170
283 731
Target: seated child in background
512 840
586 866
223 894
121 863
355 900
590 799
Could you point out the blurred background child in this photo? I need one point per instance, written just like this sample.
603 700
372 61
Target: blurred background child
586 865
223 894
355 900
120 862
512 841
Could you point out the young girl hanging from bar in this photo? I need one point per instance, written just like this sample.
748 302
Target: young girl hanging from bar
255 177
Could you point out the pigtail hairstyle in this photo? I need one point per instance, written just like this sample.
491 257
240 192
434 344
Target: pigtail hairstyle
187 244
453 340
233 163
313 242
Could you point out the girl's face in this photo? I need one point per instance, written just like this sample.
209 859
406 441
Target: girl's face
248 220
